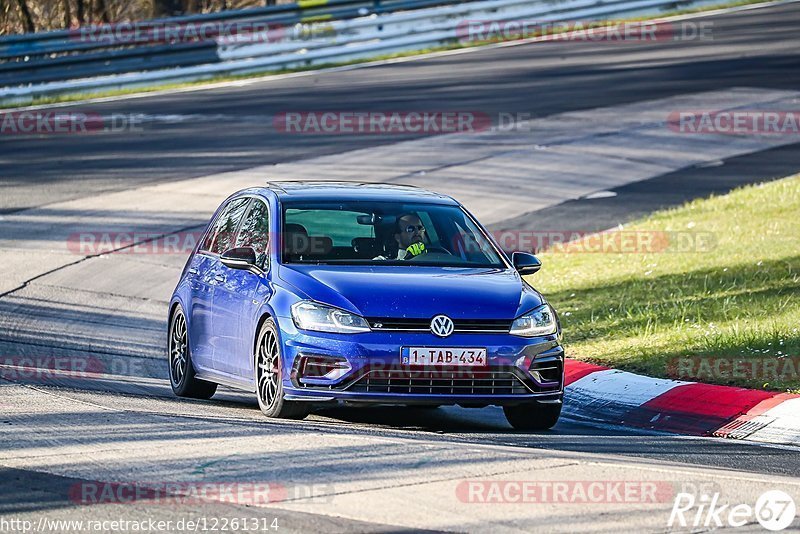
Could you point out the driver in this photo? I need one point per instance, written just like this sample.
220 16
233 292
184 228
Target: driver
410 236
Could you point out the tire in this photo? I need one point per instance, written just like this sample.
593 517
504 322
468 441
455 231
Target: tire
268 371
181 371
533 416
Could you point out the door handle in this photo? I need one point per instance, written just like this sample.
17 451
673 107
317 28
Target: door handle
219 278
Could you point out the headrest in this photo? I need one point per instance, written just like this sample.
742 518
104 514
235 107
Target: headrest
292 228
295 239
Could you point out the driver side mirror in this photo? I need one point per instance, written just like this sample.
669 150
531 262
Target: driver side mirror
243 258
525 263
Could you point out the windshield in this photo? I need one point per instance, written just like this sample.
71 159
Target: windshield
384 233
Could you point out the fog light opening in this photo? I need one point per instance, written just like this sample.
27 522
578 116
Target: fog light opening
547 372
328 367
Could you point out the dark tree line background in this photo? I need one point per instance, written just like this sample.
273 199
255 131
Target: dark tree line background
19 16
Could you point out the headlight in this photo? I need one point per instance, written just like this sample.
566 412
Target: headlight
309 315
539 322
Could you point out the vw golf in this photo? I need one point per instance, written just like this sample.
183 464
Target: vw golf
312 293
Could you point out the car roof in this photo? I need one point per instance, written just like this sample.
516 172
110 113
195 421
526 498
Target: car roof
321 190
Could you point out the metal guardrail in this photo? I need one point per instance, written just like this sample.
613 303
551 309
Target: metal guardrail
351 29
55 41
74 54
109 62
28 48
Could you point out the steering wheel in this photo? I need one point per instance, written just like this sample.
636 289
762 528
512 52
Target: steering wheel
431 250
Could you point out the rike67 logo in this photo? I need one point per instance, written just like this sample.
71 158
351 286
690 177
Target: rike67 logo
774 510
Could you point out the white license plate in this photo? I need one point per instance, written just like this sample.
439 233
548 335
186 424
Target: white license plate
459 356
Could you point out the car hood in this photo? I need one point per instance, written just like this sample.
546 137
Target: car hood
415 292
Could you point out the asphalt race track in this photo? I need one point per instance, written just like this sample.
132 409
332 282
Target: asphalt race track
232 127
342 469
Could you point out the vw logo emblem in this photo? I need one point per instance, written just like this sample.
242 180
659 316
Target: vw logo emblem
442 325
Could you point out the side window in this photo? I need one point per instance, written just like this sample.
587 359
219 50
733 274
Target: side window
254 231
221 236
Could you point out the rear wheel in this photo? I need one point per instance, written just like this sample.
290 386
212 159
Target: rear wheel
181 371
269 377
533 416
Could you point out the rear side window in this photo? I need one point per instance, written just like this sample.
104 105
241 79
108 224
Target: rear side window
254 231
340 225
222 235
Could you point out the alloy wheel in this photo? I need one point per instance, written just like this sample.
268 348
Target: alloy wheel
177 349
268 368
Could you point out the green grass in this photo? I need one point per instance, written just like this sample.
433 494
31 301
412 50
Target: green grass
77 97
739 299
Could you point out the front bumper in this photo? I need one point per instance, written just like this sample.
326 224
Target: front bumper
519 369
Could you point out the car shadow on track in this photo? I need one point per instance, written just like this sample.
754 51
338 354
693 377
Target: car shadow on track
443 419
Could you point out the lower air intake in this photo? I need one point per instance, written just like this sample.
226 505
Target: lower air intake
442 382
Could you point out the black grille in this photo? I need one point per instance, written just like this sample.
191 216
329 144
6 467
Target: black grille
443 382
461 325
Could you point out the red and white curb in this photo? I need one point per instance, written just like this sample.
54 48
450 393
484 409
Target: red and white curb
611 396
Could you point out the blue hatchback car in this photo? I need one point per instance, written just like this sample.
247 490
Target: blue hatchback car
311 293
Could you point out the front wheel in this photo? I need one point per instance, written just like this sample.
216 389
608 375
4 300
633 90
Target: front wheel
533 416
269 377
181 371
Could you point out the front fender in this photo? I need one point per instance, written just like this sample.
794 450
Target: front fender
278 306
